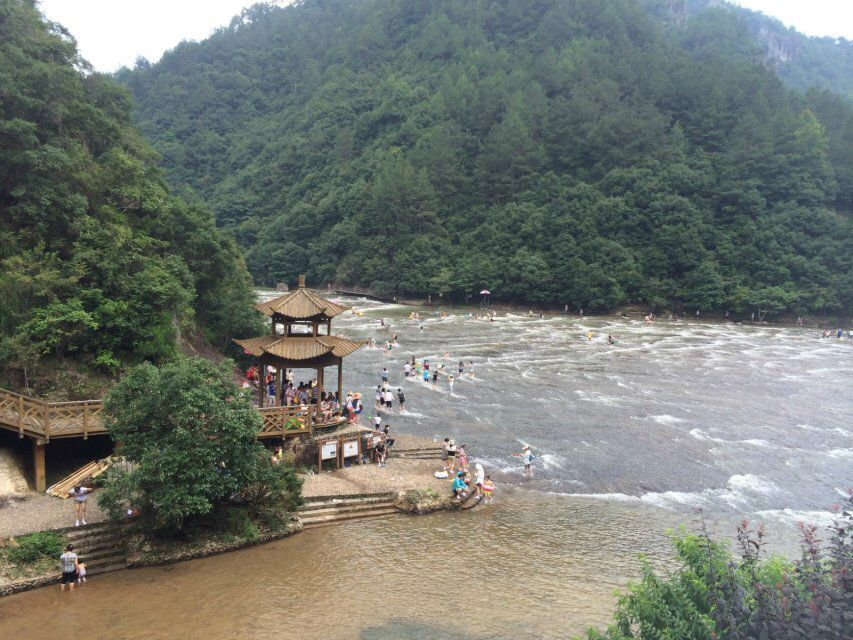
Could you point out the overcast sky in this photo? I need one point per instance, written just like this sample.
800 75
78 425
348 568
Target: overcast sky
113 33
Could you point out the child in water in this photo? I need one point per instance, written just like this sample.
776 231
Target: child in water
488 488
81 573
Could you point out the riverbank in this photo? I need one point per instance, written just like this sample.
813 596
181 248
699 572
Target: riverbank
632 312
412 481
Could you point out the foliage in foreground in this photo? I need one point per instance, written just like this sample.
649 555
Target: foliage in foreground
714 596
189 436
36 546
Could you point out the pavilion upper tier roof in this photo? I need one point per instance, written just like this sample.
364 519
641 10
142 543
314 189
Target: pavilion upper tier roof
300 304
298 348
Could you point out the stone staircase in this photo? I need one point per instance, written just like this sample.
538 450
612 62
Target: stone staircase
415 453
102 546
320 511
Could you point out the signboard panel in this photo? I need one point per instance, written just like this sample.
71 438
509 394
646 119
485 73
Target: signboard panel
350 448
329 450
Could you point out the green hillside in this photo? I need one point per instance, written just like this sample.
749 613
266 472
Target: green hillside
574 152
801 61
98 263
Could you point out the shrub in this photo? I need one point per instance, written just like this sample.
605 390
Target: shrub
190 435
35 546
717 596
421 495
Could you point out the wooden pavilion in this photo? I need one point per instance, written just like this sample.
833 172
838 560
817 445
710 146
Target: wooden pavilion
300 338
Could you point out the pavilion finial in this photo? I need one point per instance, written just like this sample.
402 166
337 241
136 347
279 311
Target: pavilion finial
301 280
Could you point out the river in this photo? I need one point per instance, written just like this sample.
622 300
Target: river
744 421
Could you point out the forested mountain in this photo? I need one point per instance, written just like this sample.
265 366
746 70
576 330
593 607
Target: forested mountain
803 62
556 151
97 260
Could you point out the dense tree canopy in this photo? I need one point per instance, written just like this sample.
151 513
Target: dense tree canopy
557 151
190 436
801 61
96 258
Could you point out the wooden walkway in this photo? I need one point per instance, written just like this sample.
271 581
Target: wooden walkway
43 421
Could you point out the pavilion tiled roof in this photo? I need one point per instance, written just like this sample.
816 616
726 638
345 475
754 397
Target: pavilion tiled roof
300 304
299 348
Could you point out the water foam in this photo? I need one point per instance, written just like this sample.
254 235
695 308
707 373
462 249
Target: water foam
736 493
791 516
840 454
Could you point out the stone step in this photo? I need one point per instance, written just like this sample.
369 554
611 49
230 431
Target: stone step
96 528
95 545
342 509
106 568
98 556
98 535
342 502
348 497
311 523
413 456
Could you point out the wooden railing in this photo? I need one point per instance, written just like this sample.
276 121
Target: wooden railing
281 421
46 420
38 419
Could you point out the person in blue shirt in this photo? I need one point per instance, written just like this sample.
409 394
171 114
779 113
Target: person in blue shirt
460 488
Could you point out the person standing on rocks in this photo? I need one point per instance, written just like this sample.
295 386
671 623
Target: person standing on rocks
444 448
451 455
80 495
68 564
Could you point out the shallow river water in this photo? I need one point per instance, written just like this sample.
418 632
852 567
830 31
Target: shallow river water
743 421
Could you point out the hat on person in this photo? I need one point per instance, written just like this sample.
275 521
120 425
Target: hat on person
451 442
527 446
460 474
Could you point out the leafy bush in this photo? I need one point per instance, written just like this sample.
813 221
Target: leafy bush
191 436
35 546
715 596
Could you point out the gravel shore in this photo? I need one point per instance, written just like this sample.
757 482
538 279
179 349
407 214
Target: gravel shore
399 474
41 512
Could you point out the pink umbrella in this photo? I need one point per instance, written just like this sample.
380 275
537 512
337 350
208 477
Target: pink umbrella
485 292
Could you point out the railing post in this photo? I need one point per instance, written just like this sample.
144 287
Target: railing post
20 416
46 421
85 420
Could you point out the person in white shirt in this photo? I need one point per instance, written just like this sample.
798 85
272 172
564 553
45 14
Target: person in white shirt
389 398
80 494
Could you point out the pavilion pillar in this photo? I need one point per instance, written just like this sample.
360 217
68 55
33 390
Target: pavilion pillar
320 375
341 384
278 376
39 466
262 374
